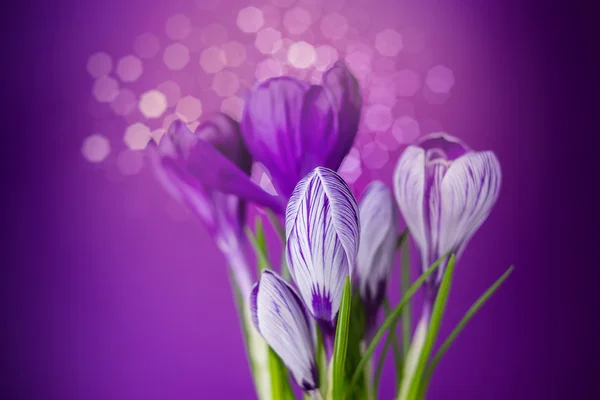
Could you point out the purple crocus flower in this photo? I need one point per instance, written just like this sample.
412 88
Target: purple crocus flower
378 236
445 191
323 233
281 318
209 171
293 127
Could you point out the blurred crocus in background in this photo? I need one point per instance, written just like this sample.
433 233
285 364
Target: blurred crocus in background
378 239
291 127
209 171
323 234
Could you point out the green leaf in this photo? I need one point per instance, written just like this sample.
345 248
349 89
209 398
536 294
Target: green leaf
280 385
341 343
322 363
276 225
434 325
460 326
405 279
391 320
259 246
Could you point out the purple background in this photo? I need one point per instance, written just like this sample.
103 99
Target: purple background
101 305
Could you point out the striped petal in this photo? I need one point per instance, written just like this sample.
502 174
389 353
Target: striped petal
468 191
409 188
378 235
323 233
280 317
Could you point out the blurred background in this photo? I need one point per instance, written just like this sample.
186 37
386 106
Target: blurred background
114 291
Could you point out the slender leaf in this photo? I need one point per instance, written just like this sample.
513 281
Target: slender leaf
460 326
341 343
434 325
405 280
276 225
280 385
322 363
259 250
391 320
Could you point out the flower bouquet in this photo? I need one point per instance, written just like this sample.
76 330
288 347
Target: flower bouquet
314 318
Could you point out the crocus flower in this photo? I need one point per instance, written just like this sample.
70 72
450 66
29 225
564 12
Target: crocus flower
445 191
293 127
378 236
281 318
202 170
323 233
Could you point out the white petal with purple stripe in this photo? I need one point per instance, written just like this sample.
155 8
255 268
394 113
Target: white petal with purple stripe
280 317
323 233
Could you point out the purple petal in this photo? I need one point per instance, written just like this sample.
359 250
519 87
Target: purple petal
214 171
378 235
323 233
469 190
223 133
347 101
271 128
254 304
285 326
320 134
449 146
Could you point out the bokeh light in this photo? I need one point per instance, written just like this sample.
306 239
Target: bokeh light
95 148
250 19
137 136
234 53
302 55
326 57
172 92
189 109
234 107
146 45
129 68
374 156
268 68
130 162
296 20
105 89
176 56
225 83
351 169
440 79
388 42
153 104
378 117
157 134
99 64
212 60
268 41
124 103
406 129
382 91
178 27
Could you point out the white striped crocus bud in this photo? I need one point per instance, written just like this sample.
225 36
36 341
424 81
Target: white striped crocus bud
282 319
323 233
378 236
